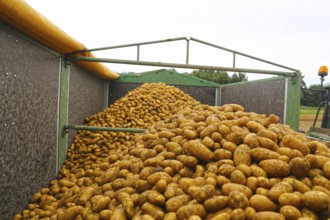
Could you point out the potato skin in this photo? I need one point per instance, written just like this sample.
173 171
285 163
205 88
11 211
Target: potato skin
242 155
196 149
268 215
227 188
290 212
262 203
299 167
237 199
216 203
316 200
188 210
292 199
275 168
261 153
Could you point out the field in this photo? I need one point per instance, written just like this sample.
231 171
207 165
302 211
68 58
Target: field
307 117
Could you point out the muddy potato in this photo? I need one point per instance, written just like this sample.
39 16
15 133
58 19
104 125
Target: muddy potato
290 212
299 167
186 211
296 144
216 203
262 203
316 200
275 167
229 187
260 153
291 199
268 215
221 154
257 171
155 211
237 177
174 203
249 213
242 155
196 149
237 199
278 189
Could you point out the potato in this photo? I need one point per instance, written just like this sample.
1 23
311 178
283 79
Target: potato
237 214
260 153
254 126
85 194
242 155
278 189
299 167
197 149
226 170
321 181
297 185
235 137
190 134
275 167
118 214
155 177
267 143
251 140
246 170
290 212
174 203
188 161
291 199
249 213
237 177
221 154
186 211
252 183
170 216
237 199
268 134
208 131
316 200
326 169
201 193
221 216
229 187
155 211
70 213
268 215
216 203
262 203
257 171
99 202
294 143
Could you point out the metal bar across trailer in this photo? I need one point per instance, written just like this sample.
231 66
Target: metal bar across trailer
177 65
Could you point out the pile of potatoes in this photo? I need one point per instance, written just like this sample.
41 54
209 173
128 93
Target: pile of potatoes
194 162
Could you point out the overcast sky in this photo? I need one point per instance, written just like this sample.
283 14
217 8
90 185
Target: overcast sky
294 33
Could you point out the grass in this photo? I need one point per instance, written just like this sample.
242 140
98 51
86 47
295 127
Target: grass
306 110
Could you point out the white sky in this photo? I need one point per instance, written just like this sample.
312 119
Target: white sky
294 33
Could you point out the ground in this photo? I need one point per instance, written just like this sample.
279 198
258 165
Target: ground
306 121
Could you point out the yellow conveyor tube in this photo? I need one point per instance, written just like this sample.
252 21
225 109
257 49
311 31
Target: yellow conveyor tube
25 18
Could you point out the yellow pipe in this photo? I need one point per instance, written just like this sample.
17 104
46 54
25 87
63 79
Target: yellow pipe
25 18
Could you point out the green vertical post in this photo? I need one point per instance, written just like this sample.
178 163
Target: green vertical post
292 111
218 96
62 137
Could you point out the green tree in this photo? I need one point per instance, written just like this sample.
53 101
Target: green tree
220 77
311 96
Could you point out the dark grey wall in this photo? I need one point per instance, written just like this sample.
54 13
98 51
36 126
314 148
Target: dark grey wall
206 95
28 121
263 97
86 96
29 81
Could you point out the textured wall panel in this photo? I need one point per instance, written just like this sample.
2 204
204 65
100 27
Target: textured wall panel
86 96
205 95
264 97
28 121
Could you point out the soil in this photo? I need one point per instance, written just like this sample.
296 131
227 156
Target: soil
306 121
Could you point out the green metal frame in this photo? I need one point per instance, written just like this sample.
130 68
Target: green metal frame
63 111
293 101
